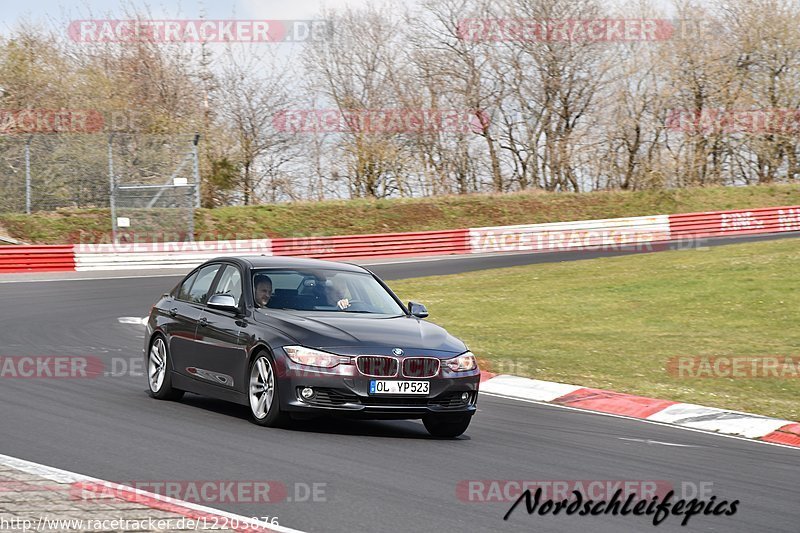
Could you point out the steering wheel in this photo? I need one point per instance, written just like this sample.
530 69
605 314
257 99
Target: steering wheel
358 305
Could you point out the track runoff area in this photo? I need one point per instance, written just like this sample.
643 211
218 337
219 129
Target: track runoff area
522 464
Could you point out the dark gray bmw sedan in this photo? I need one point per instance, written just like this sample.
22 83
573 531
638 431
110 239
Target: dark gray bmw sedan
291 337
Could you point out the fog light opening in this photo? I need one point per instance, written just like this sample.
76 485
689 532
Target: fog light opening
465 397
307 393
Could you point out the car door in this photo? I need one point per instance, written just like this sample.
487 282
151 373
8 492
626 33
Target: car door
221 355
185 312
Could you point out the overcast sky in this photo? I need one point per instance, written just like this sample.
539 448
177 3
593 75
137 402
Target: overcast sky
14 10
58 14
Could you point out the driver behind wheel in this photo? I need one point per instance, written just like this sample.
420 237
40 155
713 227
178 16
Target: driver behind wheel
337 293
263 290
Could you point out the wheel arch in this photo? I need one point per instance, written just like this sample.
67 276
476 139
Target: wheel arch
258 348
158 332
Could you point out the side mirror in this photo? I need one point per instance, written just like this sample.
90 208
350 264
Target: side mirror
417 310
223 302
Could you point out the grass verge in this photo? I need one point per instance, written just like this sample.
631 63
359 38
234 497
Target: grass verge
614 323
351 217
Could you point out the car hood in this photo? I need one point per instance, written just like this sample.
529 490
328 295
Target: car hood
358 332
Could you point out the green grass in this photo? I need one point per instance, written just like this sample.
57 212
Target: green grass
613 323
304 219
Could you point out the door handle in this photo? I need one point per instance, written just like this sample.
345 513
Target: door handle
203 322
173 312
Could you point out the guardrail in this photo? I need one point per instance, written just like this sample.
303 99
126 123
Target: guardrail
740 222
609 234
378 245
36 258
187 255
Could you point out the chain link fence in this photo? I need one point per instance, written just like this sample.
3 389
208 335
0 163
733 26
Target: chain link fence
150 183
42 172
155 187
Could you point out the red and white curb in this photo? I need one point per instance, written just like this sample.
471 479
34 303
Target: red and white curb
156 502
712 419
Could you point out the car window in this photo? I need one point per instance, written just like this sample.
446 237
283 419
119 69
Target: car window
290 280
230 283
183 290
328 290
199 291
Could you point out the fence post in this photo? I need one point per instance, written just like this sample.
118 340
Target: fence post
28 175
196 170
113 189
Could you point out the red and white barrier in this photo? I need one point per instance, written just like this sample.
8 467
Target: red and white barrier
37 258
740 222
421 243
615 233
610 234
186 255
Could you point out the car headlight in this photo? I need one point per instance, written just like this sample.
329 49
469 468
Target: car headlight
310 357
462 363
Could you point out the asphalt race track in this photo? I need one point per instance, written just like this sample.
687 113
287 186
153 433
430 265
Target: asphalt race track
377 476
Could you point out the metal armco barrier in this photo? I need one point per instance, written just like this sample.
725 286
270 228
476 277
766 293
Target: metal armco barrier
37 258
741 222
610 234
379 245
186 255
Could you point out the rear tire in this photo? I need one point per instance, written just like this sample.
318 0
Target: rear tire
159 377
262 392
446 426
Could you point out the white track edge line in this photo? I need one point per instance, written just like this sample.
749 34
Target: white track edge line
65 476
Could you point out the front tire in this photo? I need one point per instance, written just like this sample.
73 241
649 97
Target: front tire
159 379
265 409
446 426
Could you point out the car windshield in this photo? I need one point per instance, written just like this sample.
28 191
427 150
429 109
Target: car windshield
334 291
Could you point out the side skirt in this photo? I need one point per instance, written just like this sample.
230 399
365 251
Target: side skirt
179 381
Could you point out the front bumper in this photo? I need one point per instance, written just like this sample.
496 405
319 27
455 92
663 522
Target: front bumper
347 393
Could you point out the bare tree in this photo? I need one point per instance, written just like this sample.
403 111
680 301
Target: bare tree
351 70
248 103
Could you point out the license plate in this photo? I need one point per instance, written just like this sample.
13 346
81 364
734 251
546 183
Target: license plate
399 387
